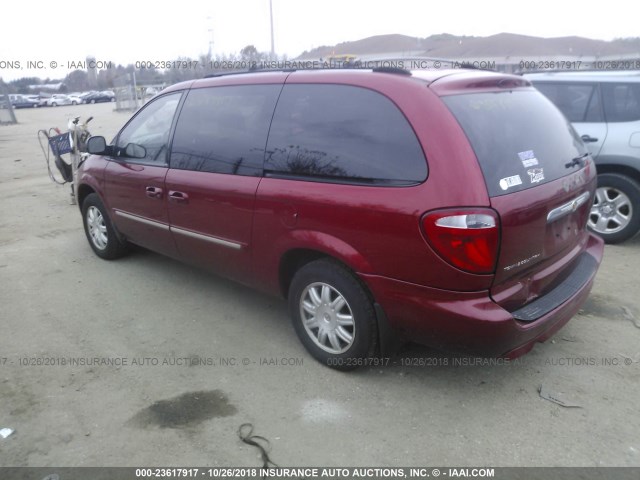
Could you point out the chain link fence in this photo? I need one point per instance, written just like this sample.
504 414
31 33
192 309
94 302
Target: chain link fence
130 96
125 90
7 115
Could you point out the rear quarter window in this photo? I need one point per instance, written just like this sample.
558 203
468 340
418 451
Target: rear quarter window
621 101
342 133
580 102
520 138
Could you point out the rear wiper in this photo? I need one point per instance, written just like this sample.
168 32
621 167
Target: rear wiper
576 161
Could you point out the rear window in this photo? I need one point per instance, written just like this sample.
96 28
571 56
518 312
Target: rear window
622 101
520 138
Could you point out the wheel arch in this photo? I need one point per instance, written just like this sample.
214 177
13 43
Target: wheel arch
84 191
306 246
292 261
614 165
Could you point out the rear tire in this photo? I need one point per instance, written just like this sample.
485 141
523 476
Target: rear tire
333 315
99 229
615 214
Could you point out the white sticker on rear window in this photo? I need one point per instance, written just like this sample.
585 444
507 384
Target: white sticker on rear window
513 181
536 174
528 158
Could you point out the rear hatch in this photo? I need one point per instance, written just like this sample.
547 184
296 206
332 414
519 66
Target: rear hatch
541 181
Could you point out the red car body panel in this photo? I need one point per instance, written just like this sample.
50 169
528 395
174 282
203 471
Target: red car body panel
219 210
137 210
534 252
471 322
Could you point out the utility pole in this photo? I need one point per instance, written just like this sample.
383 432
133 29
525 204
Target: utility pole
210 31
273 49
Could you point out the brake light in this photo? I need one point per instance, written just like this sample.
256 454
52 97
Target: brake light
467 239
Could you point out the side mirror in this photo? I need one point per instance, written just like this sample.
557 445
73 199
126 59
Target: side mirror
97 146
133 150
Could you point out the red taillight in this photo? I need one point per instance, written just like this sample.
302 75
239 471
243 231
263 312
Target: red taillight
467 239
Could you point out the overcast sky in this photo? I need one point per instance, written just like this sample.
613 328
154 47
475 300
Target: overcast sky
126 31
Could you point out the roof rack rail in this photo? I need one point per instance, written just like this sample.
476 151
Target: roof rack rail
396 70
255 69
230 72
252 69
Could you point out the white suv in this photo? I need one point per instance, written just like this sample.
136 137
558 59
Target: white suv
604 108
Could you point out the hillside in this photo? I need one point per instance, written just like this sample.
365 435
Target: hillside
500 45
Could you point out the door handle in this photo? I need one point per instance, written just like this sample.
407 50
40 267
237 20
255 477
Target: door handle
588 139
178 197
153 192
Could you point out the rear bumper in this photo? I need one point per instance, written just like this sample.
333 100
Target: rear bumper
471 322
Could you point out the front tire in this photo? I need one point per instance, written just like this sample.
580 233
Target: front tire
615 213
333 315
99 229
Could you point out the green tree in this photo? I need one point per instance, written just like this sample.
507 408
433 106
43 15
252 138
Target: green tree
249 52
77 81
182 71
21 85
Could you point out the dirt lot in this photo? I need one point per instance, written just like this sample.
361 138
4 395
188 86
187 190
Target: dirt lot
155 317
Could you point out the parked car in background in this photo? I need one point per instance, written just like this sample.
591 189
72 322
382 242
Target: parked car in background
604 107
23 101
150 92
75 99
84 95
449 207
42 101
97 97
58 99
35 98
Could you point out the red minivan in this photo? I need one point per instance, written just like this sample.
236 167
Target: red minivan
445 207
